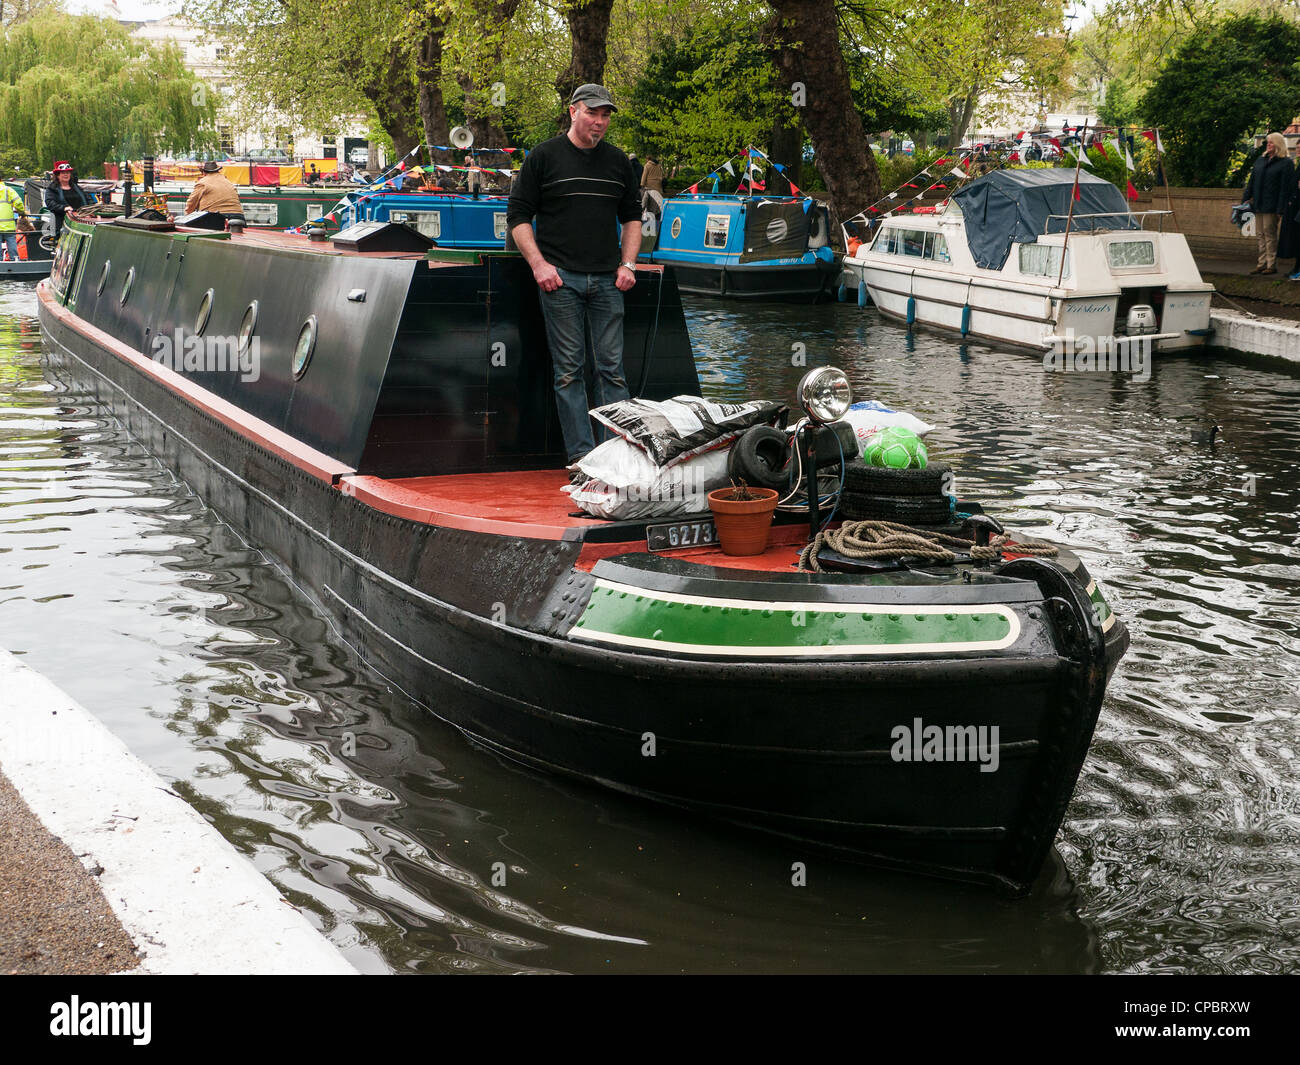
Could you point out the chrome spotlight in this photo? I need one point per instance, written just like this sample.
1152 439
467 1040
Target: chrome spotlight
824 394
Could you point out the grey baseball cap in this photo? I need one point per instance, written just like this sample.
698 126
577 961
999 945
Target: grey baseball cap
593 96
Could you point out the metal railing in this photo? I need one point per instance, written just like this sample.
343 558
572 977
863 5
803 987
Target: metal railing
1140 216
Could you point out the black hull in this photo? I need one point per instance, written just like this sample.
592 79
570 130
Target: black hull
803 283
813 763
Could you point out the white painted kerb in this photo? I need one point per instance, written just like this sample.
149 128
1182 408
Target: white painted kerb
1261 336
190 901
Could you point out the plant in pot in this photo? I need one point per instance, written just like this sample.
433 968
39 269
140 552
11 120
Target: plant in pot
743 516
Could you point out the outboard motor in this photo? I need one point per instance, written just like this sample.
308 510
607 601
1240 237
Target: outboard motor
1141 319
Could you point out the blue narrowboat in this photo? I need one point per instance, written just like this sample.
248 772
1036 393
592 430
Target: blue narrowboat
449 220
747 247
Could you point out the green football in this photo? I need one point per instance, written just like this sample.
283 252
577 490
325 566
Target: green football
895 448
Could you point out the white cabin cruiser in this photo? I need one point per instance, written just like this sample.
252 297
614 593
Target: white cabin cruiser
988 264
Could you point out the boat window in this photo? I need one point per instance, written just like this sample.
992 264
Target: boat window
1042 260
913 241
884 241
126 285
936 247
305 346
247 326
677 227
716 227
103 277
1125 253
205 312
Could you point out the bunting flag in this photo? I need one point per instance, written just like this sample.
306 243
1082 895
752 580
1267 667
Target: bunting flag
1132 192
1056 143
1154 137
893 196
1014 157
1100 145
715 182
959 172
1082 154
1114 143
794 189
779 168
401 165
727 167
1077 197
1128 159
694 188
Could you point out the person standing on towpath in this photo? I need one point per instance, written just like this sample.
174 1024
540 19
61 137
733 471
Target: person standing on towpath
577 186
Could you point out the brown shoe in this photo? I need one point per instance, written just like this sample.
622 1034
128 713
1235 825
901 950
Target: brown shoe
1270 270
1258 270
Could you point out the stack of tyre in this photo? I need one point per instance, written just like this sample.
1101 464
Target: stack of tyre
907 497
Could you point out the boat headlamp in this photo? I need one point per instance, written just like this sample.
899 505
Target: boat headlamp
824 394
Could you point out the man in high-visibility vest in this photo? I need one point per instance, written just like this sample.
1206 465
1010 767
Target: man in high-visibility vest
11 209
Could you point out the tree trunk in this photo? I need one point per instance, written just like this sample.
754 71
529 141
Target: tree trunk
960 111
786 149
428 79
481 114
589 29
394 98
803 36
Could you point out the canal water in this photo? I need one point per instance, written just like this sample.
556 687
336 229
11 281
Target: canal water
416 851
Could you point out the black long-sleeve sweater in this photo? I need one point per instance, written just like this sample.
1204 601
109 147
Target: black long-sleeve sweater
576 195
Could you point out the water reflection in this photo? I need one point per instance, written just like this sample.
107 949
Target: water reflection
417 851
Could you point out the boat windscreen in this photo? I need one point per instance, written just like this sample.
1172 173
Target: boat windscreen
776 230
1018 206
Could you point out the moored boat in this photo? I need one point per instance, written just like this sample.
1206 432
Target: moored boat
747 246
384 425
1013 258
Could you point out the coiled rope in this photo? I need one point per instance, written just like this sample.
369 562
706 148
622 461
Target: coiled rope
886 540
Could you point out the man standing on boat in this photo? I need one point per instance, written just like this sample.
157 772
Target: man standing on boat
577 186
215 192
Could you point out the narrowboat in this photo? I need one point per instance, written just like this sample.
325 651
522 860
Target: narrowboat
449 219
1015 258
383 424
265 207
747 247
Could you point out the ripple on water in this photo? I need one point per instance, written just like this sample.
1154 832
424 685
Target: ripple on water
416 851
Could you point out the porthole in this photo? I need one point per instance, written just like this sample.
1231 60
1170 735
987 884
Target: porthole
103 277
305 346
126 286
677 227
205 312
248 327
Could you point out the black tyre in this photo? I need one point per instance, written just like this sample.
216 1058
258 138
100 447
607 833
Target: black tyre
877 480
761 456
906 510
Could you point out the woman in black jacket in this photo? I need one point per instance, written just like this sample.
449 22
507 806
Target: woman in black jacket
1270 191
64 194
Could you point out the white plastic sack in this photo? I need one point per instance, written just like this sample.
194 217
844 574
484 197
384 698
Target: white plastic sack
673 429
623 483
870 417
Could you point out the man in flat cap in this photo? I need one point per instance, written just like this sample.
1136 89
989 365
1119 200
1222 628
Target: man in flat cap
577 186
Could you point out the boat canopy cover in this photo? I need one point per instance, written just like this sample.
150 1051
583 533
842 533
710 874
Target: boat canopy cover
1018 206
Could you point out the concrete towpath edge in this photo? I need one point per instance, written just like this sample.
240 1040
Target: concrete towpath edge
189 899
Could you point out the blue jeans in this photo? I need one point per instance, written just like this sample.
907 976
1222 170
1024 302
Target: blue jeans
11 242
586 304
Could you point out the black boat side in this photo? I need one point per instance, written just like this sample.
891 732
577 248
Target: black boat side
481 617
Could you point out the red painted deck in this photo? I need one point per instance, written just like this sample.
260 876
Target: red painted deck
529 503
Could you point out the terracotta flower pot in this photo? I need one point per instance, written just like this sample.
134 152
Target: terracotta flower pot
743 524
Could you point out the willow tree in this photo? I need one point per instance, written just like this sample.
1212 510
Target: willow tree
82 89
